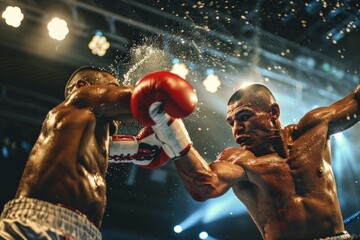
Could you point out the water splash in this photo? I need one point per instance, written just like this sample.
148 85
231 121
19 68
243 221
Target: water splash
145 59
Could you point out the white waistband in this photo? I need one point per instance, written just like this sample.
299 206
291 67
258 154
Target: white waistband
51 217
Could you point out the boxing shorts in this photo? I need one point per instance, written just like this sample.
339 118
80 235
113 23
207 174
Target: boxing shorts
27 218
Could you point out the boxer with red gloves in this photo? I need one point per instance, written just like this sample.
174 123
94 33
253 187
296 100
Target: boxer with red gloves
159 100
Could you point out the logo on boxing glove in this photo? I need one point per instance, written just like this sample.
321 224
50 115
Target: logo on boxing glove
146 152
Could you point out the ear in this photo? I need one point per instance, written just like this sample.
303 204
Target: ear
82 82
275 111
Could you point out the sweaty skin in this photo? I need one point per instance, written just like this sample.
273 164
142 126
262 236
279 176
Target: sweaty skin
282 175
68 162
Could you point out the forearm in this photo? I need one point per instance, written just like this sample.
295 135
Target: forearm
117 104
199 179
346 112
108 102
192 163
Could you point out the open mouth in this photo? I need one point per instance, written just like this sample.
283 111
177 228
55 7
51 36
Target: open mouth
241 140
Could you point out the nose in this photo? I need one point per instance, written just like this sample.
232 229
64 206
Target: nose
238 128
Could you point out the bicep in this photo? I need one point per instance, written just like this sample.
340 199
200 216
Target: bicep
203 180
222 177
228 173
338 116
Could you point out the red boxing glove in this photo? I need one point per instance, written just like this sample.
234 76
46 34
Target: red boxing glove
177 96
144 150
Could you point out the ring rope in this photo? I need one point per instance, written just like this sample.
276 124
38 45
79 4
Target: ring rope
352 218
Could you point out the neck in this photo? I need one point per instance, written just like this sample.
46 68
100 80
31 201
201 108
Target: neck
280 144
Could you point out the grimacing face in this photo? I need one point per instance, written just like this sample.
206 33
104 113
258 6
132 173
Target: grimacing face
252 128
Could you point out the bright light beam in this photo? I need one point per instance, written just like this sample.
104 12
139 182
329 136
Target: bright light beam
345 166
191 220
339 137
215 209
227 205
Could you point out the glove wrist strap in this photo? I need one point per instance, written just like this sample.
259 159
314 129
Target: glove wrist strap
122 148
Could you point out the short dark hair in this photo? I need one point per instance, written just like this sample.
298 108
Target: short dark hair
73 78
256 91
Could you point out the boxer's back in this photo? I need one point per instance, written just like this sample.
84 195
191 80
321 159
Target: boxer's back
68 163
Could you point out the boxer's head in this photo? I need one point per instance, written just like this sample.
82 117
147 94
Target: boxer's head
91 76
257 94
85 75
253 115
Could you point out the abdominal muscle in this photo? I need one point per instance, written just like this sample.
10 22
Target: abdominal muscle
77 189
294 216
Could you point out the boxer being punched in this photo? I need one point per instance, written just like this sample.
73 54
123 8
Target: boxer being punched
282 175
62 193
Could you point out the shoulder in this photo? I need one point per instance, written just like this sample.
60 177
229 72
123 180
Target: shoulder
234 155
315 117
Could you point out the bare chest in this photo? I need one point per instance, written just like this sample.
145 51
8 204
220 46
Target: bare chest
305 169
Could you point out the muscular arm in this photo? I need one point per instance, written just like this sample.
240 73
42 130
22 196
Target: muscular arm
106 101
203 180
339 116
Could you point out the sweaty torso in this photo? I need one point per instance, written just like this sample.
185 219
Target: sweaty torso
293 198
68 163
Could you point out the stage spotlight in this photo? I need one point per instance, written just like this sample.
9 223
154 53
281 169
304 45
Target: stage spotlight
13 16
99 44
212 81
57 29
179 68
203 235
178 229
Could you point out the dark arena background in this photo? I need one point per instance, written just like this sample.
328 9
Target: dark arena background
307 52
